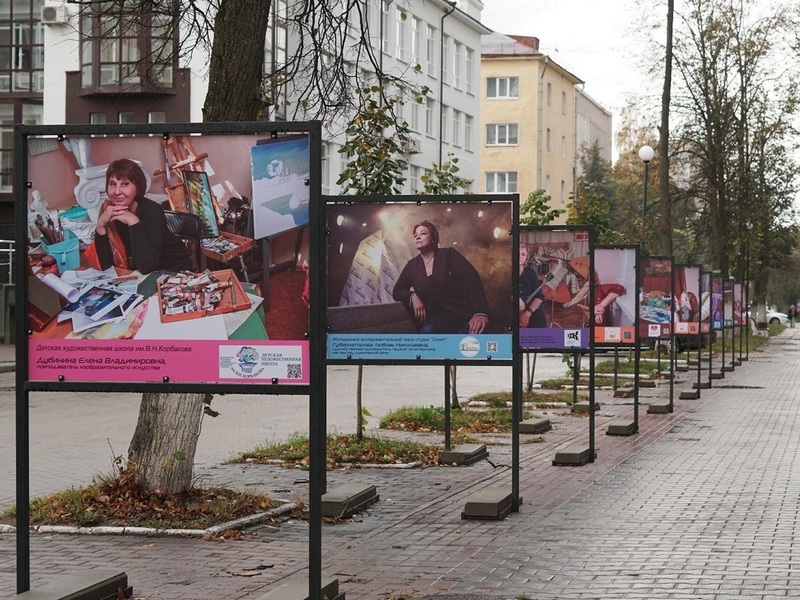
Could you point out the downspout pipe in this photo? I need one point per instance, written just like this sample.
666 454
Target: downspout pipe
441 75
540 153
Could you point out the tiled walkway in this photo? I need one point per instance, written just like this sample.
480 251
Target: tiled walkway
702 503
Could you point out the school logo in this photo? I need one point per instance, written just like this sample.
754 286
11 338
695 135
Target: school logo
246 363
469 347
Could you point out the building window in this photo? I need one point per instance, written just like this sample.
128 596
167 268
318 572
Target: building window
400 42
444 117
275 50
563 191
563 146
416 108
446 59
457 57
430 52
416 179
126 118
385 26
501 182
502 87
549 140
430 117
325 168
156 116
468 132
563 103
416 41
456 127
98 118
470 60
502 134
13 113
122 49
21 48
549 94
547 185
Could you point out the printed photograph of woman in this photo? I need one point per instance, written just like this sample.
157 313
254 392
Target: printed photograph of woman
441 288
131 231
531 296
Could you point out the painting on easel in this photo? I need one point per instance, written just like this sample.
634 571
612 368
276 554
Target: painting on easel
200 201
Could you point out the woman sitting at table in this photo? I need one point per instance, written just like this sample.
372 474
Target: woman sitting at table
131 231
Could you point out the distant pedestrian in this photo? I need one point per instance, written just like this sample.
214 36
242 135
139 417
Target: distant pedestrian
792 315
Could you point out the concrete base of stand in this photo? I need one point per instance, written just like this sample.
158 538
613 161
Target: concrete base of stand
535 425
624 393
465 454
347 500
727 368
703 385
646 383
489 504
296 588
621 427
718 376
573 456
584 406
683 368
737 363
659 408
690 395
93 584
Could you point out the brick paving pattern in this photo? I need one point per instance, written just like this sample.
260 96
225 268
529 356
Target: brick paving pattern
702 503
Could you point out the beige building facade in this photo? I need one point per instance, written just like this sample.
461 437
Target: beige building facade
527 120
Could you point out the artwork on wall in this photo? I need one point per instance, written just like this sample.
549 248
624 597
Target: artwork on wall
280 170
200 201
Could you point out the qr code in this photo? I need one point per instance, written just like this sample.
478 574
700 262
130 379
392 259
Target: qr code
491 346
294 371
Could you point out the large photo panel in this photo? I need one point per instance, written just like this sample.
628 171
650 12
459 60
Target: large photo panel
687 298
656 297
555 310
615 293
409 279
705 302
143 264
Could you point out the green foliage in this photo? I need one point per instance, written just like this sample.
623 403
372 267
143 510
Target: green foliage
444 180
431 418
589 207
346 449
375 146
536 209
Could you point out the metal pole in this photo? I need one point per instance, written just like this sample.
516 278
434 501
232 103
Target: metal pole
447 405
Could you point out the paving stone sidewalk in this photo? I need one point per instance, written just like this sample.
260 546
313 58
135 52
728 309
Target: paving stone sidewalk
701 503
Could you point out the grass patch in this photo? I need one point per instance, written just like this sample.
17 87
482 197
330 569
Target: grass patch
118 502
346 449
431 419
503 399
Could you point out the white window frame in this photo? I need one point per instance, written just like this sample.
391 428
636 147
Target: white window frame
501 182
445 116
502 134
457 53
503 87
385 26
469 58
468 132
416 40
563 103
430 117
549 94
456 127
400 42
549 140
446 66
563 146
430 51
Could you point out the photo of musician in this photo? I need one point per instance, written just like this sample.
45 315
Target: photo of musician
441 287
560 262
531 297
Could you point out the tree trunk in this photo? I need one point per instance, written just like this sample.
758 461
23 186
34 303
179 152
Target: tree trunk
165 440
235 74
453 391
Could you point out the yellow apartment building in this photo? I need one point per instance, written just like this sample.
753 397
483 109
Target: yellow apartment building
528 120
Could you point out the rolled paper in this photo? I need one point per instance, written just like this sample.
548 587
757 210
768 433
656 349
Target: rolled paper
63 289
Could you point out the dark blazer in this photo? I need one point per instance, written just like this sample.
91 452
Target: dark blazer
453 289
149 244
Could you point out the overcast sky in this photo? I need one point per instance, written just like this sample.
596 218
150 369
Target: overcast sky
586 37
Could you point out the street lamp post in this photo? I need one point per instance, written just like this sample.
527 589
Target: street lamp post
646 154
